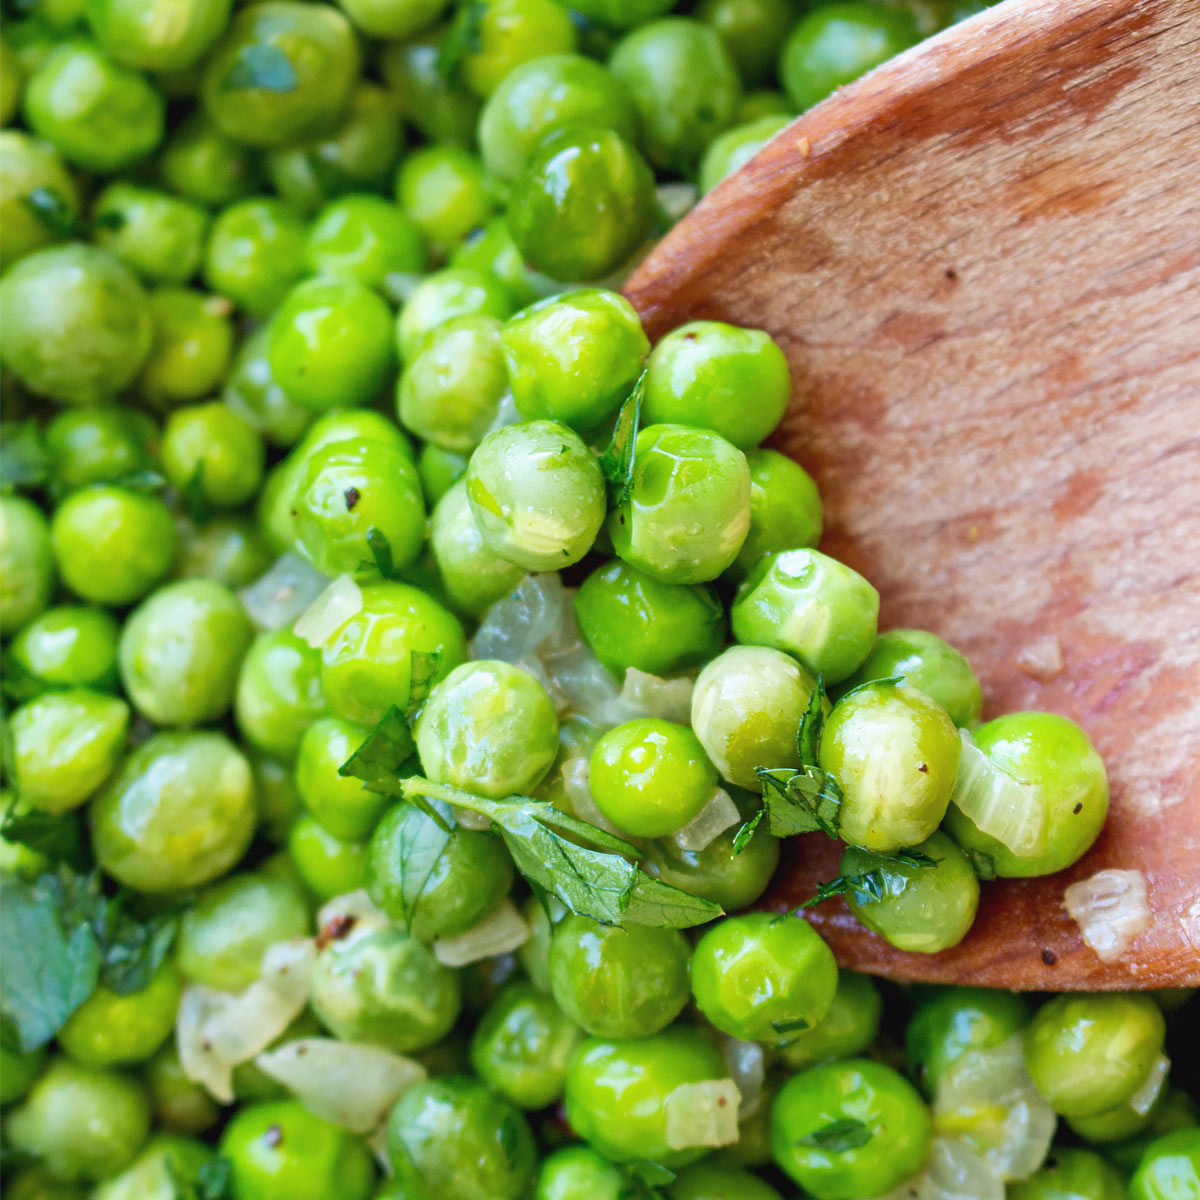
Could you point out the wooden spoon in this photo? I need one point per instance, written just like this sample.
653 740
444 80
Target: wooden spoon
983 263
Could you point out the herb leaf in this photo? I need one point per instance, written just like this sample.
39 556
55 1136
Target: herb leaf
422 673
618 459
421 842
890 878
140 481
808 734
384 754
24 462
52 209
462 38
838 1136
982 863
746 832
262 67
54 835
133 949
796 1025
381 552
195 498
211 1181
800 801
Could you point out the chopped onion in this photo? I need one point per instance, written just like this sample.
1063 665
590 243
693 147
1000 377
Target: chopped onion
1042 660
1110 909
581 683
718 815
703 1114
354 906
747 1068
340 601
986 1099
507 412
576 773
649 696
953 1171
502 930
276 598
1002 806
677 199
349 1085
1145 1098
514 627
216 1031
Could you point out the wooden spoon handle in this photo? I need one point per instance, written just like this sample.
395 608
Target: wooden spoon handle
983 262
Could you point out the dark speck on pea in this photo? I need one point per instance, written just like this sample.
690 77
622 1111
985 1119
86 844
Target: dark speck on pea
273 1136
352 495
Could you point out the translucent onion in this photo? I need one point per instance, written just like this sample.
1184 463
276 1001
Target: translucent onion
502 930
575 774
703 1114
647 695
953 1172
340 601
677 199
507 412
1110 909
215 1031
1145 1098
747 1065
1001 805
357 907
514 627
349 1085
718 815
276 598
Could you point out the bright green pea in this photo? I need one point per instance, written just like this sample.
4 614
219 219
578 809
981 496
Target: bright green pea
95 113
751 30
579 1173
582 205
1071 1174
392 18
279 803
200 163
159 235
224 934
385 988
762 978
441 109
523 1045
81 1122
99 444
490 249
75 323
30 170
157 35
228 550
847 1029
1089 1053
65 744
469 878
165 1165
688 509
111 544
444 192
329 866
706 1182
280 1151
440 298
488 727
179 1104
18 1071
26 562
252 392
683 84
737 146
574 358
254 253
341 803
837 43
309 48
440 470
617 1091
365 238
458 1140
110 1029
278 692
209 447
192 343
618 983
509 33
1170 1168
746 708
1055 757
811 606
331 343
473 576
179 813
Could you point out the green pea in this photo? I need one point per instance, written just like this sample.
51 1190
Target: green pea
534 953
1071 1174
228 550
10 84
440 298
1118 1123
837 43
392 18
309 49
365 238
751 30
688 509
579 1173
75 324
683 84
490 249
192 342
351 424
329 866
582 205
1054 756
764 103
440 470
18 1071
279 805
574 358
1089 1053
65 744
1170 1168
434 104
509 33
341 803
734 148
159 35
35 1183
278 692
178 813
955 1021
470 876
385 989
459 1140
223 936
111 544
855 1090
26 562
280 1151
159 235
847 1029
617 1091
252 392
98 444
444 192
623 14
180 1105
254 253
110 1029
18 861
472 575
210 447
30 170
365 664
200 163
1175 1110
707 1182
95 113
164 1165
811 606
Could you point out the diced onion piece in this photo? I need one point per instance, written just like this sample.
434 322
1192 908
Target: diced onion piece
581 683
349 1085
649 696
718 815
1110 909
677 199
1002 806
747 1068
515 626
1144 1099
1042 660
953 1171
340 601
703 1114
276 598
216 1031
357 907
502 930
576 773
986 1099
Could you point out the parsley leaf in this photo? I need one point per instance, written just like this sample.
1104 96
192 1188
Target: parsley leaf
212 1180
890 878
24 462
808 734
422 673
644 1180
462 38
195 498
800 801
381 552
54 835
384 755
51 208
133 949
838 1136
263 67
982 863
618 459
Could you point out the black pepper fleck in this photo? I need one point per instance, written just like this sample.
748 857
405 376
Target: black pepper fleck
352 495
1049 957
1078 808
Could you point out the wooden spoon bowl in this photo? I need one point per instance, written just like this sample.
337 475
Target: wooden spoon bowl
983 263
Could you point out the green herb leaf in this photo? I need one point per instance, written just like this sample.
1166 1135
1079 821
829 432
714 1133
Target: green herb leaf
644 1180
134 949
796 1025
213 1180
261 67
422 674
381 553
745 834
982 863
462 38
892 680
890 878
54 835
838 1136
800 801
617 461
24 462
808 734
385 753
422 846
53 211
140 481
195 499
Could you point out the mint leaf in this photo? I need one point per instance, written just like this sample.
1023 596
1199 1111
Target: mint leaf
462 38
134 949
381 552
54 835
746 832
385 754
50 207
838 1136
195 498
140 481
982 863
890 878
796 1025
617 461
422 674
261 67
420 845
24 462
800 801
212 1180
808 734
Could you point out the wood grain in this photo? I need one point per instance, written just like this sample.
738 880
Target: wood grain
983 263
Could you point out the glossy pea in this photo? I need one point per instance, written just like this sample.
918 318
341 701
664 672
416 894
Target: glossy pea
473 575
26 562
1169 1169
200 163
1071 1174
366 238
443 191
440 108
392 18
28 167
440 470
342 805
99 444
751 30
328 865
179 1104
110 1029
252 392
847 1028
490 249
278 692
706 1182
210 448
579 1173
227 549
69 646
254 253
157 35
440 298
191 346
159 235
511 32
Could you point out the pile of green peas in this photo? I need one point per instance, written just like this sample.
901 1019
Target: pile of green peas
296 292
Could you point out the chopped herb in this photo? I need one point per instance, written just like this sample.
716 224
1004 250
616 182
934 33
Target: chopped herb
53 211
746 832
194 497
24 462
617 461
808 733
381 552
801 801
261 67
422 671
213 1180
644 1180
887 680
838 1136
462 38
870 887
140 481
982 863
56 836
796 1025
